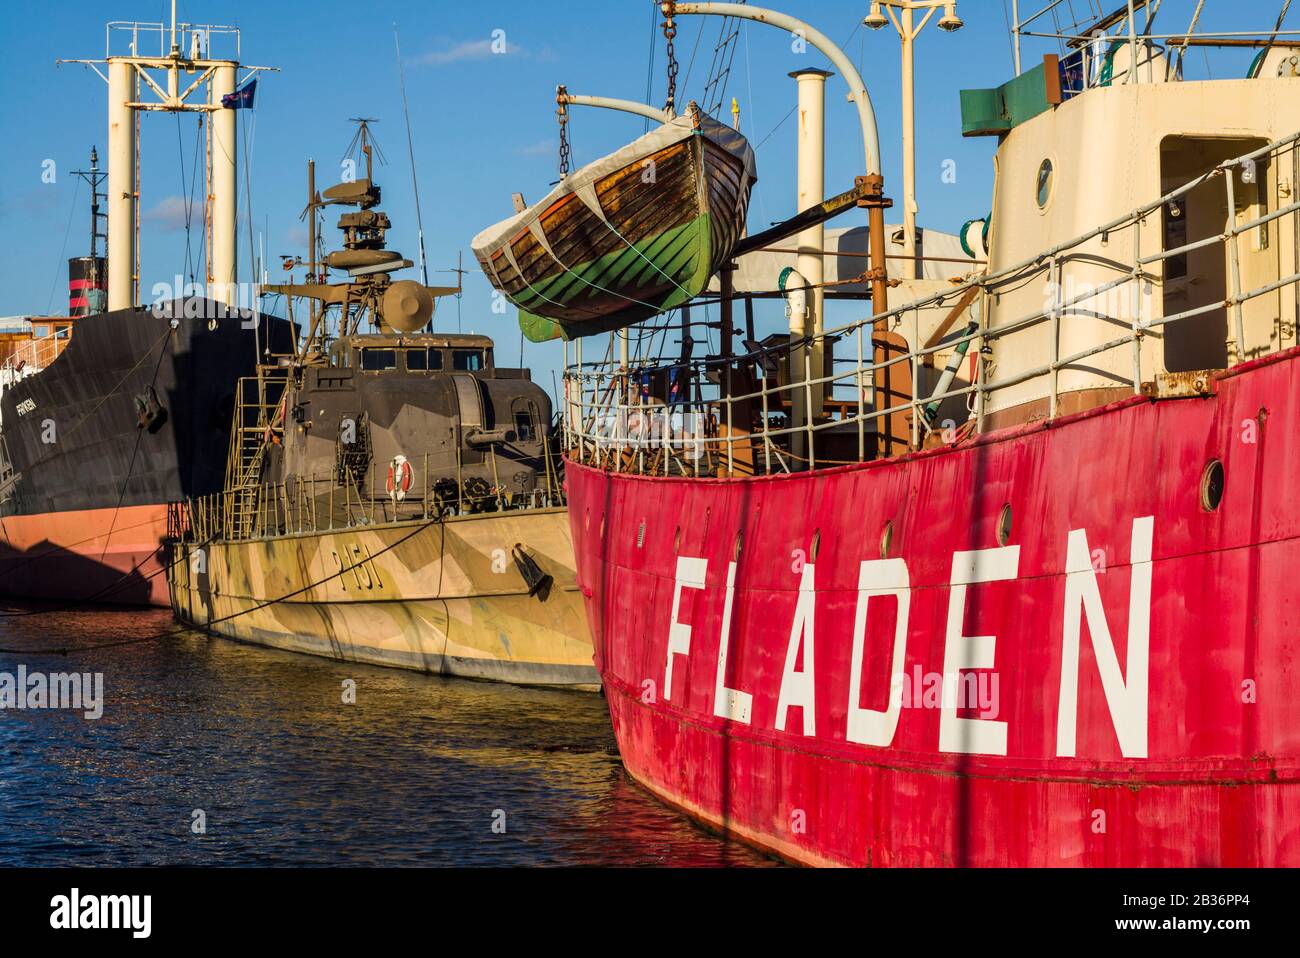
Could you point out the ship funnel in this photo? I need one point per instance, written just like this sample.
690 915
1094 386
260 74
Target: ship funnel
408 306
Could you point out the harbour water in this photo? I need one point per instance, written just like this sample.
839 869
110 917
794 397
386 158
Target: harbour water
209 752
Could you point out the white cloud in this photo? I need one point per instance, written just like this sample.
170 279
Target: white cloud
169 214
468 50
540 148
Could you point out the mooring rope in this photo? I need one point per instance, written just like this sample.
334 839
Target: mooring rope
169 633
115 584
135 452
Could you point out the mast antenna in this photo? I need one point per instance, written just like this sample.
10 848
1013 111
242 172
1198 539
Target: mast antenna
410 149
94 178
364 139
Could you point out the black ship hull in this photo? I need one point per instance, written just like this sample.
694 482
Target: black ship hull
135 413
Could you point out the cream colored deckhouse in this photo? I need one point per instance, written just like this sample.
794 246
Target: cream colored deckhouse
1088 141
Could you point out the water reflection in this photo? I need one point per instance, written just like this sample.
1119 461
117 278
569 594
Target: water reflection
415 773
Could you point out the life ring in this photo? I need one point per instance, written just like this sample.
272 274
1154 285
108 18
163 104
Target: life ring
399 477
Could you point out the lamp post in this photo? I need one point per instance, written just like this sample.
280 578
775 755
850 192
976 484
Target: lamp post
902 14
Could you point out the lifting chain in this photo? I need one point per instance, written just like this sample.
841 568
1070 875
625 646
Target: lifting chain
669 7
562 111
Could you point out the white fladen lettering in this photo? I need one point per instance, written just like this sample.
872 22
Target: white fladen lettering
1126 695
729 703
690 575
876 578
1126 692
797 686
961 652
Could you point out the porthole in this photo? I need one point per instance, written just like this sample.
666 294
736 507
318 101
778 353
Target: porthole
886 538
1212 480
1004 525
1044 183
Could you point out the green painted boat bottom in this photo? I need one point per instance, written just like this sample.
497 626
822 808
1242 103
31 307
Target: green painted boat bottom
681 255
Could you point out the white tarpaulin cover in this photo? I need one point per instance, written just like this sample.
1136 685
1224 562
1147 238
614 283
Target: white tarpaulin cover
847 250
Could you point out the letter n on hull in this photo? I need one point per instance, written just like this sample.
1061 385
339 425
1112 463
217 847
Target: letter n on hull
1126 694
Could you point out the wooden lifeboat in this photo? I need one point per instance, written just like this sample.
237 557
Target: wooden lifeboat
634 234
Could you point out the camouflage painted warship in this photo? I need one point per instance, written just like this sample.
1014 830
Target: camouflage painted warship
391 496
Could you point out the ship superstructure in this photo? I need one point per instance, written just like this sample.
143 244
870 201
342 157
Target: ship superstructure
391 494
125 405
996 575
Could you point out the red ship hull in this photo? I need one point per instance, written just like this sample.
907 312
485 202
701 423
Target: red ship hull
106 556
1129 655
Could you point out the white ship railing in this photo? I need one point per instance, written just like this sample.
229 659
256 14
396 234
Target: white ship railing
712 430
1089 32
30 356
308 505
33 355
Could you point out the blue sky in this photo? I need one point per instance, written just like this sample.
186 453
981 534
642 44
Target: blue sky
483 124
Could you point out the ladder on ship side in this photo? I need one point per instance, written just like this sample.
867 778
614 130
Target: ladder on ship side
258 423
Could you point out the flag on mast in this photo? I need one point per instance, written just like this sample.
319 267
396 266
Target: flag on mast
241 99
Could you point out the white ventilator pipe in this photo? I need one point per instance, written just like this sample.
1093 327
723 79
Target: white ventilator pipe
910 208
794 285
857 89
224 205
810 190
1015 29
659 115
121 186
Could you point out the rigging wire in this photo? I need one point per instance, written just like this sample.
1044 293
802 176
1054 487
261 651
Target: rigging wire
116 584
650 63
61 265
410 148
248 130
1151 13
77 425
11 613
778 126
1011 38
135 451
185 195
694 50
169 633
753 110
724 54
101 596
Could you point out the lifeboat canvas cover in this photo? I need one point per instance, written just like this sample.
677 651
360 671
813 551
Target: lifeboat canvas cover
629 236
